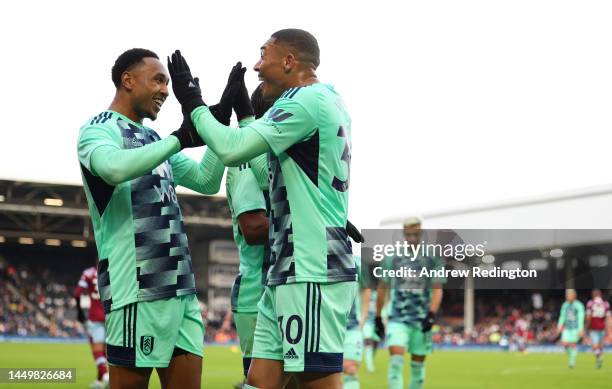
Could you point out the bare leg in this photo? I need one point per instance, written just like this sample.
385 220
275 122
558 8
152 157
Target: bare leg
129 377
184 372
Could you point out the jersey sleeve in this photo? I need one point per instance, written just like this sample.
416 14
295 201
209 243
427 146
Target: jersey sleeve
562 315
288 122
93 136
204 177
244 192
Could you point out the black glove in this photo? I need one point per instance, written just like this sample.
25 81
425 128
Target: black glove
379 327
186 90
242 104
428 321
223 110
354 233
187 134
81 316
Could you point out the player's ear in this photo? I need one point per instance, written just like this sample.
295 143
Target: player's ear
289 63
127 81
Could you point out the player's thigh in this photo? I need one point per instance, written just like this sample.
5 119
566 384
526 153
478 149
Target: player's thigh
96 331
128 377
312 320
184 372
397 337
597 338
266 374
313 380
419 343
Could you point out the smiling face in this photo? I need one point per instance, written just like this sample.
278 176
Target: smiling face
274 67
147 84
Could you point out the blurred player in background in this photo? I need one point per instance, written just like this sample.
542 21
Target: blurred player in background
370 338
353 341
571 325
94 324
597 311
413 306
146 280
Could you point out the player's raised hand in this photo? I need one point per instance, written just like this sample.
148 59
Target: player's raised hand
184 86
242 104
222 111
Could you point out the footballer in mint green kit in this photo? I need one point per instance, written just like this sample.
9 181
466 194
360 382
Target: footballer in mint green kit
413 305
571 325
145 274
311 283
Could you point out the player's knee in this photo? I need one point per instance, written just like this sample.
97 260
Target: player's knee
350 367
418 358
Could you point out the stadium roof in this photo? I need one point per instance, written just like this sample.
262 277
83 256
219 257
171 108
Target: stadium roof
32 211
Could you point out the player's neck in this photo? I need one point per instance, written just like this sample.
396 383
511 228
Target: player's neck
304 77
120 105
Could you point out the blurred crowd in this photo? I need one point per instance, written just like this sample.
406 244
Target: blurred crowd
32 303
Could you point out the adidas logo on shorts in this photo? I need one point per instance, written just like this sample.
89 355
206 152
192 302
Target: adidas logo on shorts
291 354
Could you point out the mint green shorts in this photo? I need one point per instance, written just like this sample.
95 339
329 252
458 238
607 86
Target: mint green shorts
411 337
369 333
245 326
570 336
304 325
148 333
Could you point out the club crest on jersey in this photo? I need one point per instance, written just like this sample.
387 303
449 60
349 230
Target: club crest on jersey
146 344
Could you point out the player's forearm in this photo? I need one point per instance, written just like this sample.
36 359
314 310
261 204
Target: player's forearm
259 164
115 166
206 176
366 294
380 297
233 146
436 298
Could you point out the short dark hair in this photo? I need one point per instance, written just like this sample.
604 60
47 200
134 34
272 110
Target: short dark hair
260 106
127 60
303 41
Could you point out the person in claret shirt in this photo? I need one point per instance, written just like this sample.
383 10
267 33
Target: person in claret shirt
597 311
94 323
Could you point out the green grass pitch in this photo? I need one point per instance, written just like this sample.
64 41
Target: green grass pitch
445 369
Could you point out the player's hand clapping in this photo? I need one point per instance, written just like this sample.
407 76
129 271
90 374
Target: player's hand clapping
184 86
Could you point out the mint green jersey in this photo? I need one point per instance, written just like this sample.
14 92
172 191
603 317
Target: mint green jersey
138 224
411 296
244 195
308 130
572 315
